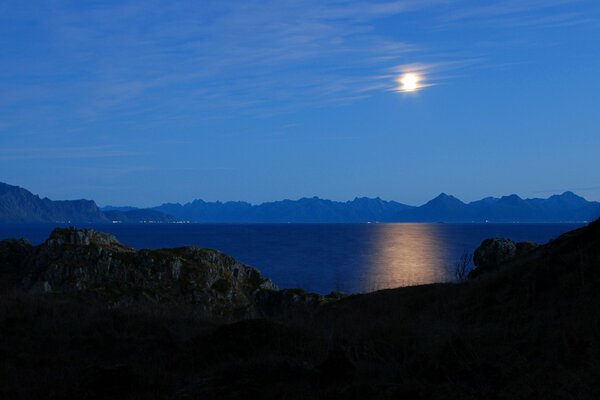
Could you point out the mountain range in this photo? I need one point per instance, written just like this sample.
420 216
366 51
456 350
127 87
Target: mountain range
567 207
19 205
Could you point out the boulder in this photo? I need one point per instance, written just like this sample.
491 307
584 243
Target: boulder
496 252
491 254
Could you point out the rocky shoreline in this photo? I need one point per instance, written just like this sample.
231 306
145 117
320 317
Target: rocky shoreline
96 266
83 316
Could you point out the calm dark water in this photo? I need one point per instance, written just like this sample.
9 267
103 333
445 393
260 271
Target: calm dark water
325 257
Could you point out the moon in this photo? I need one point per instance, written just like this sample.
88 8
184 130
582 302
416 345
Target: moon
409 82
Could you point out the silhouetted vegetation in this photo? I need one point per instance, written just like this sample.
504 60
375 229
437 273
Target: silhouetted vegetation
463 266
529 330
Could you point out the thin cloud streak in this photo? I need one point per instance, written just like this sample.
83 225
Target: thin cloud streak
84 152
275 56
520 13
249 55
130 59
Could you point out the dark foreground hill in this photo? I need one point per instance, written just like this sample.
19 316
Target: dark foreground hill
526 329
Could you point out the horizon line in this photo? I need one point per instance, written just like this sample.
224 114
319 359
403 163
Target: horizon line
253 204
351 200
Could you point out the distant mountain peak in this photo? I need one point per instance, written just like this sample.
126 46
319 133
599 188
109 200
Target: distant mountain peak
365 200
568 198
570 195
511 197
19 205
444 198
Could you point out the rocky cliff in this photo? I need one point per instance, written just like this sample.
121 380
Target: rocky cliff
18 205
95 265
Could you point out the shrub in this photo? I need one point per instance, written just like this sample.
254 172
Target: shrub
462 267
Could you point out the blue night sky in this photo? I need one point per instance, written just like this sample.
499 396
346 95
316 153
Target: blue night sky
144 102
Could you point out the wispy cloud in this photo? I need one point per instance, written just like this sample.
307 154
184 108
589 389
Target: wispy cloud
520 13
86 152
432 73
174 59
230 55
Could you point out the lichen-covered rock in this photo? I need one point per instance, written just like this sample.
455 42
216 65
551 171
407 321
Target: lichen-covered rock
86 262
84 237
94 265
495 252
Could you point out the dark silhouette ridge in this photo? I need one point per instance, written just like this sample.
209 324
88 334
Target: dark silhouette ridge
530 316
19 205
567 207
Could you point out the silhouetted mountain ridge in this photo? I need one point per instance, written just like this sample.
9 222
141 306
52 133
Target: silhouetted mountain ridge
566 207
118 208
312 209
19 205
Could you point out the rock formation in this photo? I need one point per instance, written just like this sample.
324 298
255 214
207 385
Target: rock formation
96 266
496 252
84 262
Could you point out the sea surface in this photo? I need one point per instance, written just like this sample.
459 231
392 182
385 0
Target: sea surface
324 257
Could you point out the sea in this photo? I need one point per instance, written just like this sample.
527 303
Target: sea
351 258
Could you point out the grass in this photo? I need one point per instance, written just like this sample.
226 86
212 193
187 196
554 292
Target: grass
529 331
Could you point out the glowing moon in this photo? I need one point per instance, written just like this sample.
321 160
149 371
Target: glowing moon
409 82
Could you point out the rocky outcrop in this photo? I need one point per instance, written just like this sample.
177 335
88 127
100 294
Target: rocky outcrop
84 262
495 252
83 237
93 265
